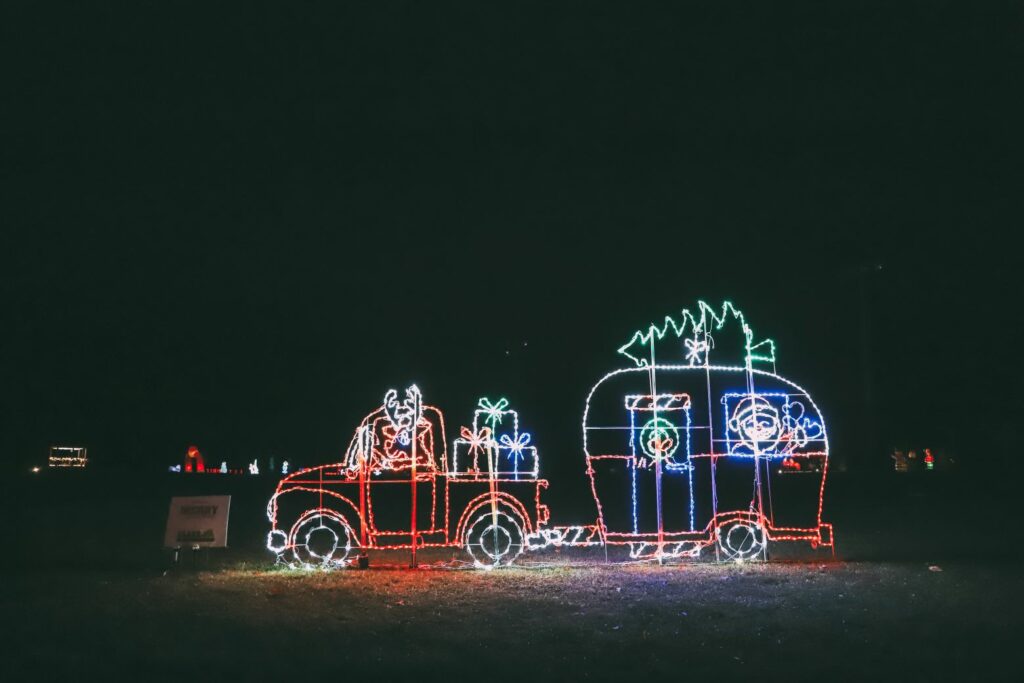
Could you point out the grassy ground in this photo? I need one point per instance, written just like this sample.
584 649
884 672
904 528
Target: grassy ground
911 596
588 622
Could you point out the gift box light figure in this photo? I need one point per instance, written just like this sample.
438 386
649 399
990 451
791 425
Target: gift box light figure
495 430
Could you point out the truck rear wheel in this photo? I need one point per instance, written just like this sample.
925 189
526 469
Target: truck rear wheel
494 538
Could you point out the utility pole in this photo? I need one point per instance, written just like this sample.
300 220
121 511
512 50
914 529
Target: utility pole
417 411
870 429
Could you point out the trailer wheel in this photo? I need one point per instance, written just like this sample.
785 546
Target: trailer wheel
321 540
740 539
494 539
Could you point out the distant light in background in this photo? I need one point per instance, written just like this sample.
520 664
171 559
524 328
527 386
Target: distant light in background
194 460
68 456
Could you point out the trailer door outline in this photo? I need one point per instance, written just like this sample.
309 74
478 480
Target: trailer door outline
659 430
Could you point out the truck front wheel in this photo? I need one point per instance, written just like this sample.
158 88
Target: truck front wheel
322 539
494 538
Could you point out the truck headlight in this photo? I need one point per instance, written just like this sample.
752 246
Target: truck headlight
277 541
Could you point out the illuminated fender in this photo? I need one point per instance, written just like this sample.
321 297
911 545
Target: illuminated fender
280 538
504 500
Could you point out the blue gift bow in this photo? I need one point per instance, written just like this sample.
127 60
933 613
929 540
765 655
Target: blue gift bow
516 445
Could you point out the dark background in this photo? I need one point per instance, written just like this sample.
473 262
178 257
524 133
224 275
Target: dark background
237 226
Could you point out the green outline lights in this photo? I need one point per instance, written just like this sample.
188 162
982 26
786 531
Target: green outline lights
699 342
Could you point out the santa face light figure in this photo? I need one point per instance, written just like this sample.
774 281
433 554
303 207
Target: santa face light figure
758 423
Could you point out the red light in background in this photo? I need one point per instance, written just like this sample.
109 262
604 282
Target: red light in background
192 455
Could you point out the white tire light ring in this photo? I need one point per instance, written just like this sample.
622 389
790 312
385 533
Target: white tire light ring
740 540
321 541
494 539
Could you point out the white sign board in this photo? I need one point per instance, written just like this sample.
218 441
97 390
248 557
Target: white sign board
198 521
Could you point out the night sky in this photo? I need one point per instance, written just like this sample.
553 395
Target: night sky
238 226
